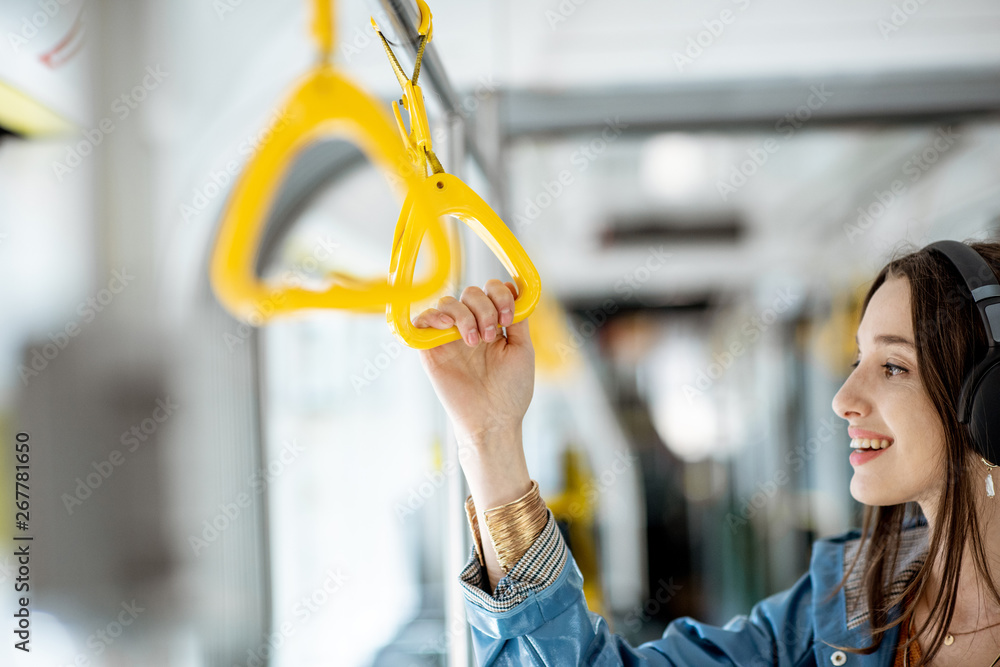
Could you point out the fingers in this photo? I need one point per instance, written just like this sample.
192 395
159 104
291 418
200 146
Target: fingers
463 316
434 318
478 314
485 311
512 287
503 301
518 334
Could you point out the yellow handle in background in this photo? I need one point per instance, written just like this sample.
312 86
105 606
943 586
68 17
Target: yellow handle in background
557 355
449 195
323 28
324 104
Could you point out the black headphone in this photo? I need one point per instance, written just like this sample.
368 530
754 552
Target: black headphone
979 402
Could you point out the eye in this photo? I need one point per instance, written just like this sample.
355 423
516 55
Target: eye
892 370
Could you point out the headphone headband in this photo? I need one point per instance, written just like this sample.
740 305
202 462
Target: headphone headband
981 281
979 400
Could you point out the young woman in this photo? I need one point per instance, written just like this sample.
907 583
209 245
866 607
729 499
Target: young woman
915 587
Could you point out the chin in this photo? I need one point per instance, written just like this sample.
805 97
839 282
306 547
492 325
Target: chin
874 492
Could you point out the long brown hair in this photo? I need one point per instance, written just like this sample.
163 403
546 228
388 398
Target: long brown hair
949 339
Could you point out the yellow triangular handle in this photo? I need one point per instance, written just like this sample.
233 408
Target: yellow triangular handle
450 196
324 103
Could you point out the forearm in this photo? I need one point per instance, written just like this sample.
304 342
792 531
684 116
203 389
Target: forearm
497 473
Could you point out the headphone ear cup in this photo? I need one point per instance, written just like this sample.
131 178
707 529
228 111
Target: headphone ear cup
984 421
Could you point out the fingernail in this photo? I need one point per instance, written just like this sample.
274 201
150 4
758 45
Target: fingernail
506 317
490 335
473 338
446 319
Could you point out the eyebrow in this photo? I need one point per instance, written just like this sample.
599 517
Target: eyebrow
890 339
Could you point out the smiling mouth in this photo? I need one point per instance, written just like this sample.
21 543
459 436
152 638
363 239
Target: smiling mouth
869 443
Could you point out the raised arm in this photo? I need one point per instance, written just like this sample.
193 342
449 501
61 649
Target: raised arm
538 614
485 382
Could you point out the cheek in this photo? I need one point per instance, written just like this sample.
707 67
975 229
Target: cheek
919 430
910 413
914 422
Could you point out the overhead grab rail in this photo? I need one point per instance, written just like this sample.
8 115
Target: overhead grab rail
448 195
323 104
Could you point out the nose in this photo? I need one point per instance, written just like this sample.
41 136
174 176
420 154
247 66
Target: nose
851 401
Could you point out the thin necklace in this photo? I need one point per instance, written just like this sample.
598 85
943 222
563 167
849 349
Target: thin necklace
950 637
906 646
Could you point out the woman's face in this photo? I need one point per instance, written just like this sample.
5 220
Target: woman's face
884 399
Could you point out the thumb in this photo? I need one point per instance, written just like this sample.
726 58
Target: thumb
518 334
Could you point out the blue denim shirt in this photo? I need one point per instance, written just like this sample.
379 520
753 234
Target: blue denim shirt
538 616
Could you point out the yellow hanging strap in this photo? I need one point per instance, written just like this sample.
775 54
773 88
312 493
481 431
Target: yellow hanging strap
449 196
323 103
323 29
418 139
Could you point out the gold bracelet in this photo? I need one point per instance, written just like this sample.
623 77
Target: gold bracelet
477 541
512 527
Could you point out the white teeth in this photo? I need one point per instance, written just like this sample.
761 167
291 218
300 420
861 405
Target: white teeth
866 443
